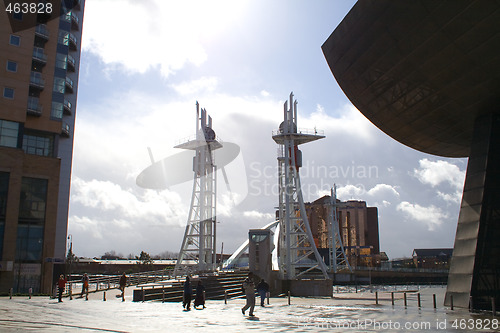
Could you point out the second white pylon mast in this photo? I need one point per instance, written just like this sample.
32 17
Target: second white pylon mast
298 256
198 247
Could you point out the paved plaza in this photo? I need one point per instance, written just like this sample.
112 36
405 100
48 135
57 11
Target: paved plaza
347 311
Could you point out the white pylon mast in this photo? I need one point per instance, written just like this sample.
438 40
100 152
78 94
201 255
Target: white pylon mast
198 245
338 259
298 256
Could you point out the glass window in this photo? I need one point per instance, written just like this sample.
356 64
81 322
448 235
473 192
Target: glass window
9 131
4 190
15 40
61 60
38 144
57 110
33 201
63 37
11 66
8 93
59 85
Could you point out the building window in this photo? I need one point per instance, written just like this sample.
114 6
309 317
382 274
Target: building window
63 37
18 16
38 144
4 190
15 40
59 85
61 61
30 230
11 66
57 110
8 93
9 131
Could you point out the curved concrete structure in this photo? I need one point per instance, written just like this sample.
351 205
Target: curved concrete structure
421 71
427 73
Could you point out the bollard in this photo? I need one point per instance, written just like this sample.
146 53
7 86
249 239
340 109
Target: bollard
376 297
493 306
163 295
356 289
392 298
268 294
405 300
288 297
225 296
418 299
143 295
70 292
434 300
104 297
337 289
451 302
30 291
11 290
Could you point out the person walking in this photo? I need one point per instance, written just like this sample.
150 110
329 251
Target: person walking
85 284
61 284
188 293
262 289
123 284
249 288
200 295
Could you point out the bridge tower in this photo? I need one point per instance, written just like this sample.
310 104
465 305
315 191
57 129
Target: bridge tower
298 256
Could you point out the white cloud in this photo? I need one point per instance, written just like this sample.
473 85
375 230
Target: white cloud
192 88
358 192
435 173
258 215
162 208
431 216
141 35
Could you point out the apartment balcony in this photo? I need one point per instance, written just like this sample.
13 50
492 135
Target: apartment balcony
36 81
68 84
42 32
71 63
39 56
72 42
34 107
67 107
74 21
65 130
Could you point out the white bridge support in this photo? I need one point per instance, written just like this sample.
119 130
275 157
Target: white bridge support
198 247
298 256
338 259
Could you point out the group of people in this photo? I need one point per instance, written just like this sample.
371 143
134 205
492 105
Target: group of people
188 295
248 288
61 285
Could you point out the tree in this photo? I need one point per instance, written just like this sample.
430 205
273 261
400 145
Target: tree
144 259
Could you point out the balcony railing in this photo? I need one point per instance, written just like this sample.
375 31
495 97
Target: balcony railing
67 107
71 63
39 56
65 130
36 80
74 21
34 107
41 31
72 42
69 84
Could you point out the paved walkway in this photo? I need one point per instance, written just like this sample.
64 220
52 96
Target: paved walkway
352 312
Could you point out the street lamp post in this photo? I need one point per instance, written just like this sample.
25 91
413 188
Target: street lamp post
70 255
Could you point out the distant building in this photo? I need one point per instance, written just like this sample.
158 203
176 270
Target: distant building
358 225
432 258
39 65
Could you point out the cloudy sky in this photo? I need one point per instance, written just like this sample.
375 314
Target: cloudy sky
145 64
